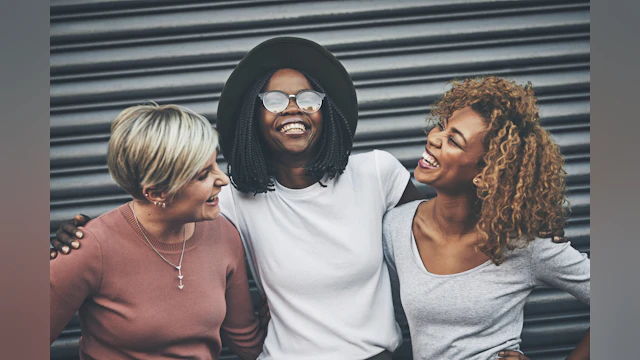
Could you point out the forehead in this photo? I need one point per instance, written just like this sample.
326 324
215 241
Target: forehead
469 122
288 80
212 159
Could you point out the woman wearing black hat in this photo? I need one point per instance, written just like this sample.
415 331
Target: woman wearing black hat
309 213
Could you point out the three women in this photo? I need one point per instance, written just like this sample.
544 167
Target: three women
309 213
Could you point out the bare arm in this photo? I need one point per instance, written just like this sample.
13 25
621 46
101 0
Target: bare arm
410 193
581 352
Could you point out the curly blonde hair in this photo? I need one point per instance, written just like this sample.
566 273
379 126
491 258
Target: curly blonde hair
523 189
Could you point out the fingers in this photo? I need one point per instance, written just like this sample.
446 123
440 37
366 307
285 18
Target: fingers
560 239
60 246
81 219
71 230
544 234
53 253
264 313
512 355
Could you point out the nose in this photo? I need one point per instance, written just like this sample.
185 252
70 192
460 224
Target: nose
221 179
292 107
434 140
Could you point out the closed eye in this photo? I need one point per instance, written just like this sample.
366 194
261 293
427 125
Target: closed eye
203 176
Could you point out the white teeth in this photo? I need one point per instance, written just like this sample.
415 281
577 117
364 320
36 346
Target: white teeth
430 159
292 127
213 198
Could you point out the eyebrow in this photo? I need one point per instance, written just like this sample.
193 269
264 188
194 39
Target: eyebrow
208 168
459 133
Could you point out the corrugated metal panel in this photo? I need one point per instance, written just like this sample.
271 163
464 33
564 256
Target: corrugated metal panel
109 54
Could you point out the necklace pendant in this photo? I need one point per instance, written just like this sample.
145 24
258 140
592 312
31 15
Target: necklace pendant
180 286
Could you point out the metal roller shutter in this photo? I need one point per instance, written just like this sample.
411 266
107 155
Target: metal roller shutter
109 54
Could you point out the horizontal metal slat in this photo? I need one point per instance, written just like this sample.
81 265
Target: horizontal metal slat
206 20
352 41
148 87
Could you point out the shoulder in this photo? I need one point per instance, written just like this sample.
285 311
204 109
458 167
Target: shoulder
545 250
108 221
227 238
378 162
400 217
374 156
404 211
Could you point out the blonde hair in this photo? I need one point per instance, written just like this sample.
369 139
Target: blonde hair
158 145
523 187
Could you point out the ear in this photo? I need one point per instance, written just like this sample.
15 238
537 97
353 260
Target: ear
477 180
155 195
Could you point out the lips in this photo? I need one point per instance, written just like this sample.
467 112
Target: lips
293 126
212 200
428 161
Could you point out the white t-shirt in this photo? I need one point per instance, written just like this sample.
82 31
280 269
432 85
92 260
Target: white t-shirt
317 254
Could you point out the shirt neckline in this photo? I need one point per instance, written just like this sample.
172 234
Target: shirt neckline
308 191
420 264
191 242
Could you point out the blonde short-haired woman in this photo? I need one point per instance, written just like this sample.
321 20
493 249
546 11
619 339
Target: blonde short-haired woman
151 262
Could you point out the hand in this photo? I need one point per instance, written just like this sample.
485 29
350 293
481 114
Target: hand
265 314
512 355
68 236
558 236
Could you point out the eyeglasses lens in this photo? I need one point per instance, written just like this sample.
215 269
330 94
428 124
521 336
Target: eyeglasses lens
309 102
275 101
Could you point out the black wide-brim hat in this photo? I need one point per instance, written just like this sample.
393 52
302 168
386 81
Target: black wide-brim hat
277 53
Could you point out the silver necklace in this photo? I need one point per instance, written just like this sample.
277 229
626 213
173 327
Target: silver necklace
179 266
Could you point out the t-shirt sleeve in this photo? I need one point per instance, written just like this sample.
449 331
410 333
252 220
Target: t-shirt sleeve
392 176
227 204
72 279
561 266
240 329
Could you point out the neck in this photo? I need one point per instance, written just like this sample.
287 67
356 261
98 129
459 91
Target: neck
452 216
293 175
155 221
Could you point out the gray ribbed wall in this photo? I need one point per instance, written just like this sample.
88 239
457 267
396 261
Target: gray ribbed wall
110 54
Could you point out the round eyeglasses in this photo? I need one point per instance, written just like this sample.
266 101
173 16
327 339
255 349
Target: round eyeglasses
277 101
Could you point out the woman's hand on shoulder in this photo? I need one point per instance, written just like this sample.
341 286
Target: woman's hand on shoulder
557 236
265 314
68 236
512 355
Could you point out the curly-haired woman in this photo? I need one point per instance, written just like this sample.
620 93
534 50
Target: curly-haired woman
468 259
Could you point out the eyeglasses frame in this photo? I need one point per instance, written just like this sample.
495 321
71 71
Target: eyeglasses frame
289 96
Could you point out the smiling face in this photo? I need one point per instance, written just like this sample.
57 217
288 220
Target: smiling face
292 132
198 199
453 151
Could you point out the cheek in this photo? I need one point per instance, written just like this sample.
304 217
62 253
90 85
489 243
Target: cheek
317 120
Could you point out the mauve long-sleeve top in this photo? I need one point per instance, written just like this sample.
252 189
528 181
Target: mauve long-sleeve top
129 302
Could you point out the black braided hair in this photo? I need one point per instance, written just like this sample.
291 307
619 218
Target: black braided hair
249 169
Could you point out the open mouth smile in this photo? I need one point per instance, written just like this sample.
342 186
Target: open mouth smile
212 200
292 127
428 161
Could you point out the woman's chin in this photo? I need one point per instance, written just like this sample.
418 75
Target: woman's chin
421 177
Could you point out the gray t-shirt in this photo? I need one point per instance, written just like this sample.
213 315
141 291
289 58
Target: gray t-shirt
479 312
